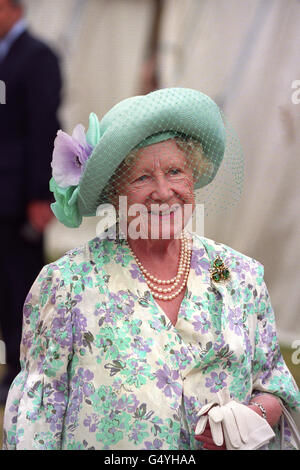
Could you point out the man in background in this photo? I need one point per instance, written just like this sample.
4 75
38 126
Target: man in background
28 126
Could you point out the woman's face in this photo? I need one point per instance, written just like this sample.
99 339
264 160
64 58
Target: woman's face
161 183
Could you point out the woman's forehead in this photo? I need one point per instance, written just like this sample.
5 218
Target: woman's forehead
161 155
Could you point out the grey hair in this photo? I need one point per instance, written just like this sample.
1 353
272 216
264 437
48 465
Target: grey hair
193 151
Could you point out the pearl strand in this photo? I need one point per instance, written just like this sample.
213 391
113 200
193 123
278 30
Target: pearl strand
183 272
182 262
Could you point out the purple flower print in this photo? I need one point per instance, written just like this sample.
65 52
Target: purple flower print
128 403
120 303
136 273
62 329
155 445
69 156
88 389
235 320
60 389
219 343
241 267
85 374
92 422
55 413
183 357
167 381
156 323
216 381
127 302
192 406
60 396
123 255
268 335
137 432
106 316
201 323
27 306
199 261
79 326
140 345
81 386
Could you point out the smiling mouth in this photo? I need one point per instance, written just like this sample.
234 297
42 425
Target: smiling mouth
164 213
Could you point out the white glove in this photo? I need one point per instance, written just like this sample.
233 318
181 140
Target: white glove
238 425
211 413
243 428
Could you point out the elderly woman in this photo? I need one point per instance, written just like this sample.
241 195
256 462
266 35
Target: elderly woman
148 336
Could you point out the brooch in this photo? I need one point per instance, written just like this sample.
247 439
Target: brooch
219 272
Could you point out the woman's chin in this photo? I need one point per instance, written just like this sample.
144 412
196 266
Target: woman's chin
163 227
166 229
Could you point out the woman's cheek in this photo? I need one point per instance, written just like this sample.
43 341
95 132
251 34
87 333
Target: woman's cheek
185 191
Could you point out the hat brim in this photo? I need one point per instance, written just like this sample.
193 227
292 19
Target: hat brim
136 119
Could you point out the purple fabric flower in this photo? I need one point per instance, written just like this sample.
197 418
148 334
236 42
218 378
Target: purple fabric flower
59 397
183 357
128 403
91 422
216 381
268 335
136 273
167 381
140 345
201 323
69 156
155 445
199 261
85 374
235 320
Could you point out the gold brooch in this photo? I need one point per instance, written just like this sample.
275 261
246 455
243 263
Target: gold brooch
219 272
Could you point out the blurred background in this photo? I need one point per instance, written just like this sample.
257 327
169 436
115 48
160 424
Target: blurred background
245 55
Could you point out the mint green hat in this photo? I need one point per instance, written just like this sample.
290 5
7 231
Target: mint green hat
133 123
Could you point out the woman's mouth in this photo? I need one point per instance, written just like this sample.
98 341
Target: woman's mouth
165 212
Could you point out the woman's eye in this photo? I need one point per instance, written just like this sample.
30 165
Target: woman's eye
174 171
141 178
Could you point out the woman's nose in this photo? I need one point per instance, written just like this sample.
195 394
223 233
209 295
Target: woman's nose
162 190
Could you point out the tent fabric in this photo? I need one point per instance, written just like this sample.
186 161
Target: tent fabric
245 55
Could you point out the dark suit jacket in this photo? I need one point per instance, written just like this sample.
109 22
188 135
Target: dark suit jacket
28 123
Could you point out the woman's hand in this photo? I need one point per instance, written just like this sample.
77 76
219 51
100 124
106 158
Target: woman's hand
271 405
206 438
267 406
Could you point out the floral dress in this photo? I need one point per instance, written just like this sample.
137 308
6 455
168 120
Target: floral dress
104 368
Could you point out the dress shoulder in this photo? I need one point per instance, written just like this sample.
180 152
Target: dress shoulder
233 258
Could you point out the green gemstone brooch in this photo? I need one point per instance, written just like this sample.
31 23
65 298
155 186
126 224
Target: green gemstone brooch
219 272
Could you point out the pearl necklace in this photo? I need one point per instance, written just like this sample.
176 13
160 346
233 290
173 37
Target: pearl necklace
178 282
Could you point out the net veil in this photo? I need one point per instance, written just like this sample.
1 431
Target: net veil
172 147
225 190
